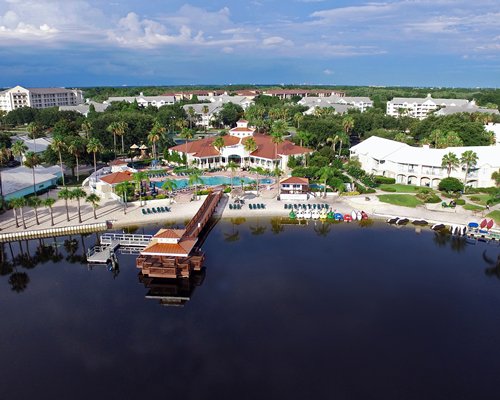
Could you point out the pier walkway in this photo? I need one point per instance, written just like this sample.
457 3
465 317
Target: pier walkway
110 242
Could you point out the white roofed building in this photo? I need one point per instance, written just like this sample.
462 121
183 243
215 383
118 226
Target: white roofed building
336 102
422 165
18 182
144 101
19 96
420 107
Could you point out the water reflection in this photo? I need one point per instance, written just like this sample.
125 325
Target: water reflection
172 292
494 270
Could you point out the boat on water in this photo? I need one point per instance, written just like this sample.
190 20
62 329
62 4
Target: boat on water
402 221
490 224
392 220
483 224
347 217
354 215
438 227
338 217
330 215
473 225
419 222
359 216
364 215
323 214
292 215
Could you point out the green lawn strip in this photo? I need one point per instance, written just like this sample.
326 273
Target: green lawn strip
495 215
482 198
472 207
405 200
399 188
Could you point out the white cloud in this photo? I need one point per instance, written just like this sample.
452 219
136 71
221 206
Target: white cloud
276 41
328 71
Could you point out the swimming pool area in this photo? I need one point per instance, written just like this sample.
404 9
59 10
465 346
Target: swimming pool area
219 180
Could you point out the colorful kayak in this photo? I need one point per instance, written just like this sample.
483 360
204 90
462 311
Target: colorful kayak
330 215
473 225
359 216
483 224
338 217
490 224
354 215
364 215
348 218
292 215
323 214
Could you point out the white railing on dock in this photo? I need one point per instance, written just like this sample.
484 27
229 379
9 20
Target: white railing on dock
125 239
50 232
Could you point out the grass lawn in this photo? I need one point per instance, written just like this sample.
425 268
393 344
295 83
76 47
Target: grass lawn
472 207
400 188
405 200
482 198
495 215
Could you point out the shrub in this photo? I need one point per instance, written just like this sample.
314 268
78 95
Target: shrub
161 197
384 179
460 202
451 185
369 181
475 198
227 190
433 198
389 189
350 193
355 172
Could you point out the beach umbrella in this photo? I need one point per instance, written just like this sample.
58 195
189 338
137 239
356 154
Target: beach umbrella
134 147
143 147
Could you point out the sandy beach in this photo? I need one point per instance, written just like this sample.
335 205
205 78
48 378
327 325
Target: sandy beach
182 209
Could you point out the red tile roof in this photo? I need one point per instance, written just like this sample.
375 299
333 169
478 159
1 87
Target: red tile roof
117 177
296 180
184 247
204 147
118 162
267 149
169 233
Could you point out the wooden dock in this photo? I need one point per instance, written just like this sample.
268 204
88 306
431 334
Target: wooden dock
175 253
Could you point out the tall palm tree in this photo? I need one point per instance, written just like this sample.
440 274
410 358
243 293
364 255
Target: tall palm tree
17 204
4 157
87 128
94 146
94 200
205 110
113 128
138 178
35 130
277 138
325 174
58 144
333 140
298 118
219 144
122 189
35 202
49 203
169 186
195 180
65 194
155 135
78 194
122 129
233 167
187 135
450 161
191 114
469 160
343 138
250 145
75 148
18 149
32 160
277 173
348 124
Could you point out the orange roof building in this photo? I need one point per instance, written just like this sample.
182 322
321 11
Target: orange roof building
266 154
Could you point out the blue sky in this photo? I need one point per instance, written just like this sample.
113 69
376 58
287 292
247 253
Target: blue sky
153 42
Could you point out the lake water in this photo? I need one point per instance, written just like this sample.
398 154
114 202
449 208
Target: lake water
292 312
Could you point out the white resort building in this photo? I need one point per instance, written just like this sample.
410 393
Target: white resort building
420 107
340 104
421 166
19 96
203 154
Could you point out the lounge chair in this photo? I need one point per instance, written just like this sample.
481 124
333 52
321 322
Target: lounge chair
148 210
263 205
153 209
159 209
144 211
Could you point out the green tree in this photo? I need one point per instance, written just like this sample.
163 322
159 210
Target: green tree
277 173
348 124
75 147
17 204
86 128
250 145
94 146
233 167
450 185
278 130
19 149
169 186
187 135
35 202
325 174
59 144
123 189
139 177
78 194
469 160
155 135
94 201
113 128
195 180
450 161
32 160
49 203
65 194
120 131
35 131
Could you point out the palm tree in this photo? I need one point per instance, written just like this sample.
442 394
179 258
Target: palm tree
298 118
75 147
32 160
333 140
469 160
122 190
250 145
49 202
35 202
122 129
437 137
205 110
86 128
277 173
58 144
94 200
343 138
169 185
113 128
232 166
138 178
155 135
65 194
78 194
278 130
187 135
450 161
94 146
218 143
4 157
15 204
195 179
496 177
325 174
18 148
34 130
191 114
348 124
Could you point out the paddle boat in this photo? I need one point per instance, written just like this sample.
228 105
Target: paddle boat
490 224
364 215
292 215
483 224
402 221
315 214
330 215
438 227
308 214
338 217
392 220
347 218
419 222
323 214
354 215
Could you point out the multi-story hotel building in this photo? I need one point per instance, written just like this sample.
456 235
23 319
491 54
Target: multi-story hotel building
19 96
420 107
